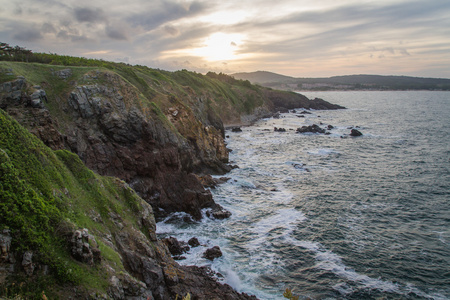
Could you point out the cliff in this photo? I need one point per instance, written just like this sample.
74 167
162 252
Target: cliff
151 128
149 135
68 232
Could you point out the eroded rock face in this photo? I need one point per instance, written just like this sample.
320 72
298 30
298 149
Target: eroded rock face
81 248
115 137
112 136
27 263
27 105
7 259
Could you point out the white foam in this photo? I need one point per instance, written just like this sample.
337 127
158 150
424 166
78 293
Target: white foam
232 279
329 261
441 237
243 183
284 218
163 227
322 151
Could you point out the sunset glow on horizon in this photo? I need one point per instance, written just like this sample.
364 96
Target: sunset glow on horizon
297 38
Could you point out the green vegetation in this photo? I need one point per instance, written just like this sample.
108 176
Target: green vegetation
227 95
288 295
44 196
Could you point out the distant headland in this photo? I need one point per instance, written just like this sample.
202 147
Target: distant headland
348 82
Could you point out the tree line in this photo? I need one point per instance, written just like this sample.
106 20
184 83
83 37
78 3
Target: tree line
17 53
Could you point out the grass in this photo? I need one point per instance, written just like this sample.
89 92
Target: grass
44 196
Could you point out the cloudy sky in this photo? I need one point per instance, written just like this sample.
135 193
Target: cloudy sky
301 38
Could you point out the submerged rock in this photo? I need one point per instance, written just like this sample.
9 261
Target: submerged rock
279 129
304 112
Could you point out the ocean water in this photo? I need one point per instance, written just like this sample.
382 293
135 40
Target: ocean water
333 216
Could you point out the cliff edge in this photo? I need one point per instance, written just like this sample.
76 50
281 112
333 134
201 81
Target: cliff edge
149 136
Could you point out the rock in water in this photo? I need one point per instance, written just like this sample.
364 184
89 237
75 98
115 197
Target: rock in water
175 247
212 253
193 242
355 132
312 128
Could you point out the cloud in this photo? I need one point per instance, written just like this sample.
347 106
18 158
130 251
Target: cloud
161 12
18 10
48 28
286 36
89 15
116 33
173 31
28 35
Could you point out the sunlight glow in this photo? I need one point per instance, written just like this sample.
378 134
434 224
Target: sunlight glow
218 47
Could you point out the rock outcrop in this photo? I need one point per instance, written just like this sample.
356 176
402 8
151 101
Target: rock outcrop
114 137
212 253
311 128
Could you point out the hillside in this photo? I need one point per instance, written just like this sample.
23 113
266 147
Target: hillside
349 82
92 152
66 232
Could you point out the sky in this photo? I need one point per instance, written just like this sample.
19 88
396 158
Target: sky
300 38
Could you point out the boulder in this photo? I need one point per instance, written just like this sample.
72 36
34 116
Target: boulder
304 112
63 74
212 253
27 263
221 214
218 212
176 247
312 128
81 248
355 132
5 244
236 129
193 242
279 129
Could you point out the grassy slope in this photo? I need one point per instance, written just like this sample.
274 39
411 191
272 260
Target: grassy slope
224 95
44 196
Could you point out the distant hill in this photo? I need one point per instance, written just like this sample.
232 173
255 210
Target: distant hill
262 77
349 82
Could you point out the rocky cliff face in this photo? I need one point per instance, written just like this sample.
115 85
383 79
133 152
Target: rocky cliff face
156 147
71 233
115 135
151 131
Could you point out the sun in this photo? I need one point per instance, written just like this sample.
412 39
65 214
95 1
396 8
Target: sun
219 47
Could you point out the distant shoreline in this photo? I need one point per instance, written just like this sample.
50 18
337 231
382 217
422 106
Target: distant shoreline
345 83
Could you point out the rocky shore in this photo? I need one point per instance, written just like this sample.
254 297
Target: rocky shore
160 138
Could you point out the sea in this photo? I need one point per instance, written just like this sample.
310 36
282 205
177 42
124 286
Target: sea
331 216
